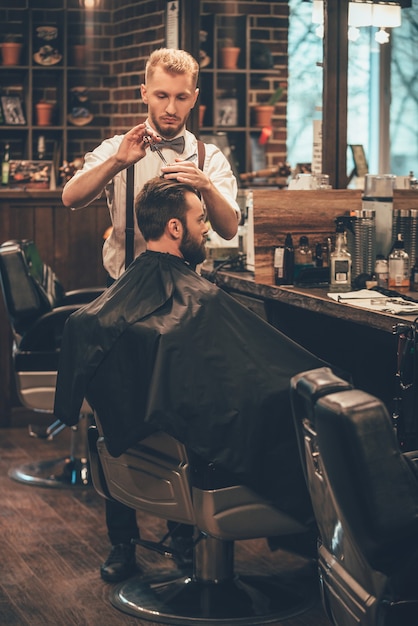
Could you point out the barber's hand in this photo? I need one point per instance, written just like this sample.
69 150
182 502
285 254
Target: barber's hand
135 142
186 172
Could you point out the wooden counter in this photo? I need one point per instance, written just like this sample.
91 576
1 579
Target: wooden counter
69 241
359 341
313 299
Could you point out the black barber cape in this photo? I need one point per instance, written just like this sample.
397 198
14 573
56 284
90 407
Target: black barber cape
165 349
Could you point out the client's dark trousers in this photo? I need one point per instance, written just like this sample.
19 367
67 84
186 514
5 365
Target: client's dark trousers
122 525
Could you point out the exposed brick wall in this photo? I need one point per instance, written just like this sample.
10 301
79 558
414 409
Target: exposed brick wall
138 28
125 32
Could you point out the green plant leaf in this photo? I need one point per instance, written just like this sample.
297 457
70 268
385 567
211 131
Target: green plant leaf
275 97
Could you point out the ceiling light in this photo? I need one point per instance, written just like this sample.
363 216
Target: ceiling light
381 14
360 13
386 15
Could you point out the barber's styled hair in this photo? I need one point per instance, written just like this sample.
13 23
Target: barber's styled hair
172 61
159 201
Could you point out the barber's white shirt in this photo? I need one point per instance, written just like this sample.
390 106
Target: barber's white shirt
216 167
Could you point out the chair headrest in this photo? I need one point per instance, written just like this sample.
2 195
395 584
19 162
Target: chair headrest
373 483
30 288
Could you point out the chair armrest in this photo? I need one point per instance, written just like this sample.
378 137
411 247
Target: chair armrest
81 296
412 458
45 335
36 361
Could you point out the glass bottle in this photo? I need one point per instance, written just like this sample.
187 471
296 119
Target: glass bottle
284 262
5 165
303 256
340 262
41 147
289 260
381 271
399 266
319 259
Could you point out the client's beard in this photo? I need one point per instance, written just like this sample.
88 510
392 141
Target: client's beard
193 252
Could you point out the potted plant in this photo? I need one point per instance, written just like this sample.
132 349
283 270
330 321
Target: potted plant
263 112
44 112
11 48
229 54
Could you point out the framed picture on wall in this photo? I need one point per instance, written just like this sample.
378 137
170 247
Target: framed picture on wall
226 112
220 139
360 162
12 110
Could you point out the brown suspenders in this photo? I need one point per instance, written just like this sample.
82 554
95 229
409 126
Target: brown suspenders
129 228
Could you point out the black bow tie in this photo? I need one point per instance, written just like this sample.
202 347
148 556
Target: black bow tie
174 144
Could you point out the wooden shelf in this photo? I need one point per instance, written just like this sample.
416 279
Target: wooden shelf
32 81
229 93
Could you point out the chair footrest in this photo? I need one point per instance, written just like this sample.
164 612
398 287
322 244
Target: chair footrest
155 546
165 550
49 432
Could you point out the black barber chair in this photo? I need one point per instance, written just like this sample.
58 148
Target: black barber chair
364 492
38 306
157 476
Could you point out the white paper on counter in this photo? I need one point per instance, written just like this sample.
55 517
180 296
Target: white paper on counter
375 301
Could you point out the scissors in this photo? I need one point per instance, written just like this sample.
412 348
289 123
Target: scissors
154 147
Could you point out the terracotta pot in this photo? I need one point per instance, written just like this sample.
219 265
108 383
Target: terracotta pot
78 55
202 109
229 58
10 53
44 111
263 114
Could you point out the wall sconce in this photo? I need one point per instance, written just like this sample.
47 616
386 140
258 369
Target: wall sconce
380 14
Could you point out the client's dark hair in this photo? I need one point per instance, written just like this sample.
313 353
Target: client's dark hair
159 201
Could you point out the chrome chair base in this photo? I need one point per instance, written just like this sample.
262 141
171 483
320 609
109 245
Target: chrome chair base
72 470
63 472
242 601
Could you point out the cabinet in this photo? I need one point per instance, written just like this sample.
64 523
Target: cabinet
228 94
53 33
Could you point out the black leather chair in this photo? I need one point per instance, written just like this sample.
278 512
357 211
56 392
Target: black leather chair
37 307
364 492
159 477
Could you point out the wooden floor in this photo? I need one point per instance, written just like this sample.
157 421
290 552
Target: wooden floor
52 542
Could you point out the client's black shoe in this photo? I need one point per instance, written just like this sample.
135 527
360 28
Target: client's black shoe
120 564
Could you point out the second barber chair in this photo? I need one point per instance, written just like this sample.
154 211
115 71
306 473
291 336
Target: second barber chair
38 307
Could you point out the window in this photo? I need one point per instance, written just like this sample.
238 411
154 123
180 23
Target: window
382 92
